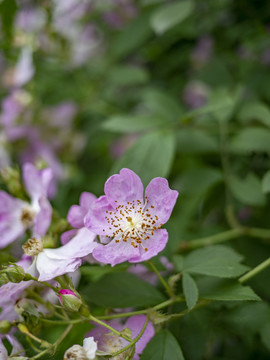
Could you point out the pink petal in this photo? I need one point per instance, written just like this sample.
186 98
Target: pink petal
115 253
126 186
95 218
75 216
49 268
86 200
43 218
159 195
154 245
135 324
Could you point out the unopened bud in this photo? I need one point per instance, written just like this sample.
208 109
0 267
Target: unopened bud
69 300
13 273
76 352
5 326
3 279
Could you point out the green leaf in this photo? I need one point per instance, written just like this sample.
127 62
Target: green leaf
255 111
196 141
165 17
225 290
121 290
135 34
248 190
266 182
95 272
217 260
199 180
191 291
163 346
251 139
150 156
127 75
132 123
265 335
161 104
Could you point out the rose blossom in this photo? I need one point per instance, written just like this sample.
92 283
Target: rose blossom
132 224
16 215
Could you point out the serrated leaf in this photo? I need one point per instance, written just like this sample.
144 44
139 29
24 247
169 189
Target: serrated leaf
150 156
191 291
132 123
248 190
218 261
122 290
165 17
266 182
225 290
163 346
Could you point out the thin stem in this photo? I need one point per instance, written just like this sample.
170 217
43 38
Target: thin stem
210 240
62 322
56 344
133 342
96 320
163 282
145 311
23 329
224 236
255 271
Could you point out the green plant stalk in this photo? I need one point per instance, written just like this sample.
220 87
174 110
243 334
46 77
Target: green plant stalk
223 237
96 320
164 283
254 271
145 311
133 342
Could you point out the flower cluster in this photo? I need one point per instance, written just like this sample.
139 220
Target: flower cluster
122 225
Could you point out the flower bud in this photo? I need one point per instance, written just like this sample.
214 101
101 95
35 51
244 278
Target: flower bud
13 273
5 326
69 300
76 352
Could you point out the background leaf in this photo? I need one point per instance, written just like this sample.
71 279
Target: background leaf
169 15
121 290
162 346
191 291
218 260
150 156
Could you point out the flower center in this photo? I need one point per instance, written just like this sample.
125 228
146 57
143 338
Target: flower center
133 222
27 217
33 247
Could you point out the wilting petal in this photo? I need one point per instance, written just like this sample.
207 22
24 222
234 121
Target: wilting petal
159 195
126 186
49 268
79 246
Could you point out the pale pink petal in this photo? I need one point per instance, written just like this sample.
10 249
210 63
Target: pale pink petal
79 246
162 198
32 181
95 218
75 216
115 253
67 236
49 268
135 324
126 186
86 200
43 219
154 245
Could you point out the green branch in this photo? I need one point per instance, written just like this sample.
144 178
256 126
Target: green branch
255 271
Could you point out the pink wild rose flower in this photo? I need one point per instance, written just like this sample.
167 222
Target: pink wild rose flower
132 223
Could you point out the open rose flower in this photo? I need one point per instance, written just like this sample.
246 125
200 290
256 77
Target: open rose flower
130 222
16 215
